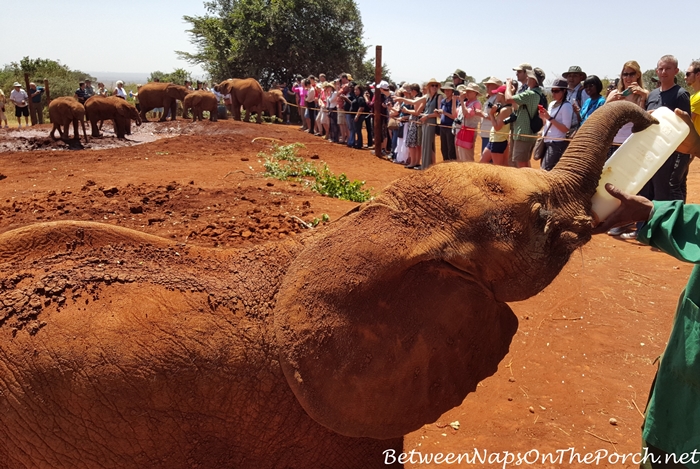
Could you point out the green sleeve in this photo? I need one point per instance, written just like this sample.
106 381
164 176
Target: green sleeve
674 228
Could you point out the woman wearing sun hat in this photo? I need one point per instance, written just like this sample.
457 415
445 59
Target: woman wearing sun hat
496 149
429 122
557 122
491 85
448 113
470 111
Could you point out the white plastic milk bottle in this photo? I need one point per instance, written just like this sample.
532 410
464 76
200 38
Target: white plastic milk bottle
638 159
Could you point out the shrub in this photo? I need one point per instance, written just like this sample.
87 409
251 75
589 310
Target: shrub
284 164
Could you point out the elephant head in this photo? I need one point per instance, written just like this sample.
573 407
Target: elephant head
274 103
395 314
129 111
225 86
176 91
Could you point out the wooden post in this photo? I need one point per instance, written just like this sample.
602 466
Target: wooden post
377 103
46 90
30 104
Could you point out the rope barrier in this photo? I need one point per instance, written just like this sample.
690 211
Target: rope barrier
475 129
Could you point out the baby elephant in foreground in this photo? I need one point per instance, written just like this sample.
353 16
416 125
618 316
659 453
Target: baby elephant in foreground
123 350
64 111
200 101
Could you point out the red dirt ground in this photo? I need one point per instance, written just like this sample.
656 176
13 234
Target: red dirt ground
586 345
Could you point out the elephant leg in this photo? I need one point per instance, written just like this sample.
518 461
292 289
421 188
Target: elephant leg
95 127
166 107
214 115
119 127
82 122
143 112
236 110
53 131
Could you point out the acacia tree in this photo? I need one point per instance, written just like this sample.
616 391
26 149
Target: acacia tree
273 40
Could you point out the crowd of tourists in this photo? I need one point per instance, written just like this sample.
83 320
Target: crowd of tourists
508 119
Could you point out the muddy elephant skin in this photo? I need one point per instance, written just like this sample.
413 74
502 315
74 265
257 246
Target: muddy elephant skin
124 350
274 103
245 92
165 95
113 108
198 102
64 111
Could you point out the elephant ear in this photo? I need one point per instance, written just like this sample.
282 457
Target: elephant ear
123 111
175 91
378 336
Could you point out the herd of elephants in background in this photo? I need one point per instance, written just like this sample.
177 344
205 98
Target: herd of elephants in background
246 93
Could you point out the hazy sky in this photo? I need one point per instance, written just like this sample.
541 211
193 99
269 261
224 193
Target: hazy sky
420 39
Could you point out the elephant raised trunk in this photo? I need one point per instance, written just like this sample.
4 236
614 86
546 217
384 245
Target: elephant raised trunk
575 177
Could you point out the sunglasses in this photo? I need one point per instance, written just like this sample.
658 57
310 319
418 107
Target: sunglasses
691 73
434 86
557 91
630 74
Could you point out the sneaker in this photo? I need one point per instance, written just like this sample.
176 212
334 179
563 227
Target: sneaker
620 230
629 235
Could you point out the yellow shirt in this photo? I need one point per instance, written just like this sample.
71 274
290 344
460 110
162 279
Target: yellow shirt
695 110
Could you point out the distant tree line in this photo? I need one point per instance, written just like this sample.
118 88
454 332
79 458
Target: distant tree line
62 80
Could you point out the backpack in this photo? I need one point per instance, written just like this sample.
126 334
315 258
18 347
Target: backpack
536 123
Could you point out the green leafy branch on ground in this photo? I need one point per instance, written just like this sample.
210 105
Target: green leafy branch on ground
284 164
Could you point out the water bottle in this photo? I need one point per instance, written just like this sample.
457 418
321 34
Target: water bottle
637 160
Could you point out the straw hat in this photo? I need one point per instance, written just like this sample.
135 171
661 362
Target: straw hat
16 84
433 81
493 81
473 87
461 88
447 86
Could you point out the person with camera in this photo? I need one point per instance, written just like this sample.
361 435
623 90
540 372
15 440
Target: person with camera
557 120
498 113
20 99
448 113
469 117
527 101
491 84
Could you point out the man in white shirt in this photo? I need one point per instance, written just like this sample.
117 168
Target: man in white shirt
20 99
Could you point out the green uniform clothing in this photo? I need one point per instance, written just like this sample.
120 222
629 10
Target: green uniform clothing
527 102
673 415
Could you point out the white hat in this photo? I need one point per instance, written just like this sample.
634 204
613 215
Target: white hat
119 82
383 85
17 84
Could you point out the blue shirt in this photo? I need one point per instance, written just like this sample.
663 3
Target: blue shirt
37 98
446 106
589 106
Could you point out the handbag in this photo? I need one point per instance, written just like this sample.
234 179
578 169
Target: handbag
393 124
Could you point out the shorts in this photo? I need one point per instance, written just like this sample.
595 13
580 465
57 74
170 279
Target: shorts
22 111
522 150
158 109
497 147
